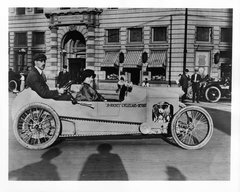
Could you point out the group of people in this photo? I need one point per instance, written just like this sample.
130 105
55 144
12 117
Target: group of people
195 81
36 80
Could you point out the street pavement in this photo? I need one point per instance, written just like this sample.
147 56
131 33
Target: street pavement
223 104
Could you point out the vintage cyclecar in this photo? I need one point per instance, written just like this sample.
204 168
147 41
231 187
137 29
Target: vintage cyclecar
39 122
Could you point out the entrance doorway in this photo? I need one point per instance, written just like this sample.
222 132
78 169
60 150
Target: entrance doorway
134 74
76 67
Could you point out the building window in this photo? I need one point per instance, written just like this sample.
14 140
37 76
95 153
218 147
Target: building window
38 10
226 35
113 35
20 39
111 73
38 38
204 34
135 35
159 34
226 54
20 11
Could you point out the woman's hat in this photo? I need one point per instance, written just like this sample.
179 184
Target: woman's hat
87 73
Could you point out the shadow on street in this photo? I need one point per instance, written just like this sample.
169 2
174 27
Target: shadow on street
103 166
43 170
174 174
221 120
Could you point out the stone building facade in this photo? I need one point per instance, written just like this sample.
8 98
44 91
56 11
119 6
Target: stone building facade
139 43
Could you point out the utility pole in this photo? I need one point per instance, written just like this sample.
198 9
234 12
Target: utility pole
170 54
185 41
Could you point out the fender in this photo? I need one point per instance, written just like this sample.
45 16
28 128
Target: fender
215 84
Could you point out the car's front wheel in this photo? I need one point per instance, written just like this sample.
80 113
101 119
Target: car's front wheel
213 94
192 127
36 126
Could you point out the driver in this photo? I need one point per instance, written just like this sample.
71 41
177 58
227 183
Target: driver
87 92
36 80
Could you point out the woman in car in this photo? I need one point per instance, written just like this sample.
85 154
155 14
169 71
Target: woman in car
87 92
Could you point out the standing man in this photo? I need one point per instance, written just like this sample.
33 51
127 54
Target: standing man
184 83
37 82
195 79
63 77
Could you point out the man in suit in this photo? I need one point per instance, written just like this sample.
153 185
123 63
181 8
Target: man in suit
63 77
36 80
184 83
195 79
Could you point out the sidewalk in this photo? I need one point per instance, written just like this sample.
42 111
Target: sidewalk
223 104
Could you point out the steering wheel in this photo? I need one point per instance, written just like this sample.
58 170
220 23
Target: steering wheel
67 90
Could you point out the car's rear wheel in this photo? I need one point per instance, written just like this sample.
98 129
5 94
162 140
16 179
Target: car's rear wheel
192 127
212 94
36 126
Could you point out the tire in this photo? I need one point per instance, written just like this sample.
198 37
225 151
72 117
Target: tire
213 94
192 127
12 85
190 93
36 126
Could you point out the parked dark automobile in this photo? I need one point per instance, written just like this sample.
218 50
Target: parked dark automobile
213 90
13 81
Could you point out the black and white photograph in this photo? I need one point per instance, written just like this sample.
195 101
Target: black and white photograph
130 97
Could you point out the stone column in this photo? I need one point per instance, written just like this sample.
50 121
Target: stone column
52 57
90 45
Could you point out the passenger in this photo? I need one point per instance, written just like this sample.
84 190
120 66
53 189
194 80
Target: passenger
87 92
36 80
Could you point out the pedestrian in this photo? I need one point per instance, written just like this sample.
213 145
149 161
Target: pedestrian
36 81
87 92
63 77
122 88
145 83
183 82
195 79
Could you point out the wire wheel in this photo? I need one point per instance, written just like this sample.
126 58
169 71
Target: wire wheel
213 94
36 126
192 127
12 85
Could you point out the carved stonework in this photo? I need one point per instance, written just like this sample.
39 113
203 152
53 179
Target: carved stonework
72 27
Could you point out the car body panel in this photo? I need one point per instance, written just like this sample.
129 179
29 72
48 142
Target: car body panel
98 118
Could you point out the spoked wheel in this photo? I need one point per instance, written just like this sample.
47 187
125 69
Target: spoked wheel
36 126
192 127
213 94
12 85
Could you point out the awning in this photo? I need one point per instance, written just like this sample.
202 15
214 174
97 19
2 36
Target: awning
157 59
110 59
132 59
